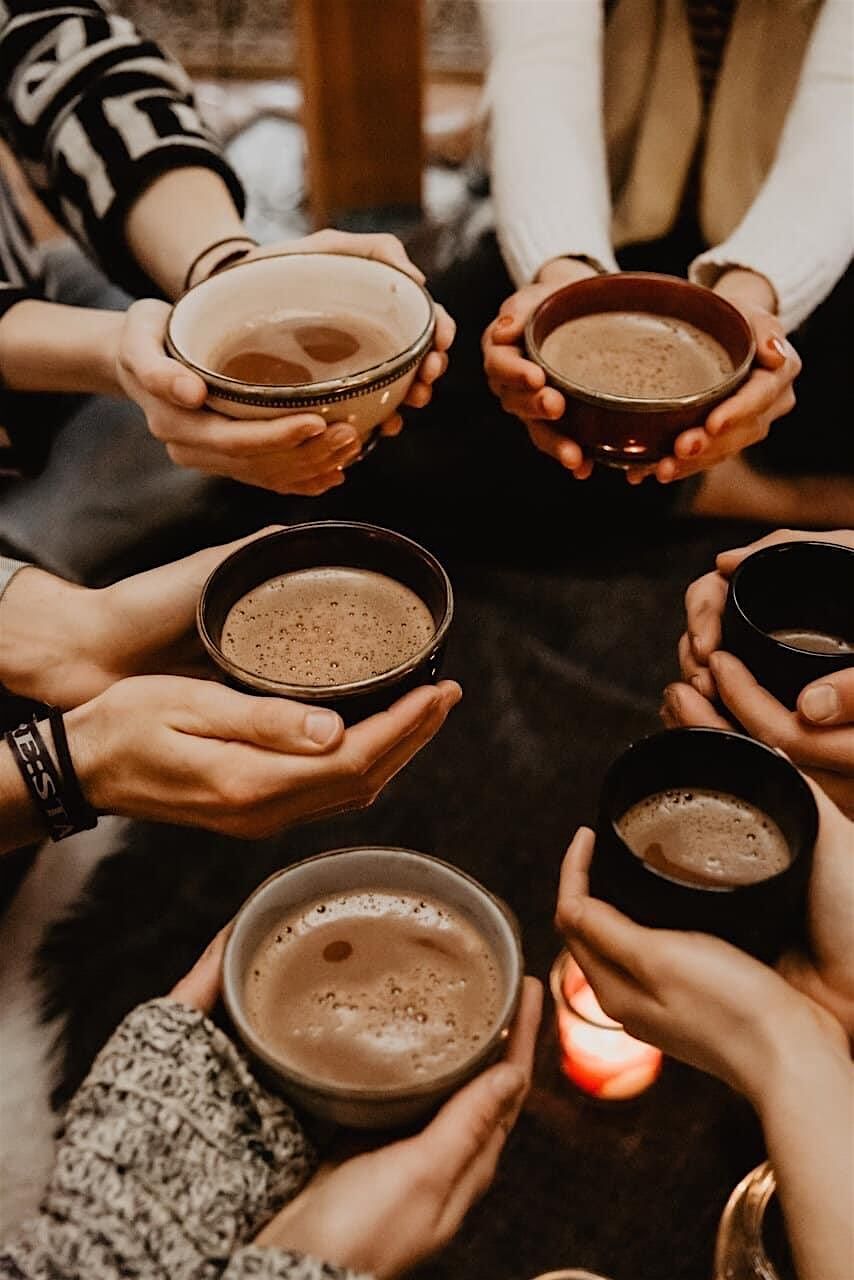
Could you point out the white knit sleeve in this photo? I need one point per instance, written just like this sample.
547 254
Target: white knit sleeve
549 167
799 231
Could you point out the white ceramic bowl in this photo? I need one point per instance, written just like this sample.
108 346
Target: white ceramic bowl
300 284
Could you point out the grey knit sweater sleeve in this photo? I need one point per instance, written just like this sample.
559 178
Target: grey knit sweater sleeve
172 1158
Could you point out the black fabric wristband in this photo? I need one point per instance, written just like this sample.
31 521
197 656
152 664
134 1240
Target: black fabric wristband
82 813
42 779
225 261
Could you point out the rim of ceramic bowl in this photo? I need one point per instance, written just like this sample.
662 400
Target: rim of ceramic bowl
320 692
331 389
631 404
697 733
748 565
398 1093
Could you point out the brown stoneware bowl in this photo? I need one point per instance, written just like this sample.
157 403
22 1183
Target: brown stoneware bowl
365 869
617 430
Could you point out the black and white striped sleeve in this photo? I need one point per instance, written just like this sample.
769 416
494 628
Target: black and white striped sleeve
95 112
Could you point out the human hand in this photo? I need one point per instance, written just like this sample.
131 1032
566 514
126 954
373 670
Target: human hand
654 981
142 625
746 417
824 751
705 600
518 382
296 453
385 248
201 986
170 749
383 1212
818 735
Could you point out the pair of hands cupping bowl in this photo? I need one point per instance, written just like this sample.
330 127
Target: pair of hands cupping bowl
741 420
818 734
150 739
298 453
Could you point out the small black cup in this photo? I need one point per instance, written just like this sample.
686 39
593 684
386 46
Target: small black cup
762 918
787 586
348 545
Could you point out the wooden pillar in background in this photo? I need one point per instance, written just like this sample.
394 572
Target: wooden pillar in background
360 65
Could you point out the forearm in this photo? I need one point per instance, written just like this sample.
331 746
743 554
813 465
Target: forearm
807 1113
45 346
47 627
549 168
798 231
175 219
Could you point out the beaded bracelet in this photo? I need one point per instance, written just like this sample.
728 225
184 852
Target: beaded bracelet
57 796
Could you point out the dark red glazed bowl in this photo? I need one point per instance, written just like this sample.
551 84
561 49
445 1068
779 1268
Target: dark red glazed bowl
617 430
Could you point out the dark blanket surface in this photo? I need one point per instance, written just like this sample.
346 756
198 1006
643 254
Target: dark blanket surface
561 667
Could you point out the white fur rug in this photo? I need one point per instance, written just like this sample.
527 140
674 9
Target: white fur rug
27 1043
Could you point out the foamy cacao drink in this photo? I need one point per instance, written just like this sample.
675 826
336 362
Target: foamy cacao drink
326 626
373 989
812 641
705 838
305 349
637 355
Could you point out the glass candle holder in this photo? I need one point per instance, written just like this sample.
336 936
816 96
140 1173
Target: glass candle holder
752 1243
597 1054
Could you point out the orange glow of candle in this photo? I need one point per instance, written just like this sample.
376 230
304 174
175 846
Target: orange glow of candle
596 1053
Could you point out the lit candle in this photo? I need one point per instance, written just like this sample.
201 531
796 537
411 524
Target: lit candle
596 1053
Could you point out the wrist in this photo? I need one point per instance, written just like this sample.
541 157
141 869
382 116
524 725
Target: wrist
740 285
93 760
218 255
561 271
35 654
800 1045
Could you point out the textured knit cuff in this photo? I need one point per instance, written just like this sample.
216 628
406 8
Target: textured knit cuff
8 569
172 1146
254 1263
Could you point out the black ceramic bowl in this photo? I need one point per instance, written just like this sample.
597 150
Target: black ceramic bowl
327 543
762 918
787 586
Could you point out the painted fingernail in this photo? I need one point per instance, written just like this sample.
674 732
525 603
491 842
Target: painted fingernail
778 345
820 703
321 726
696 447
